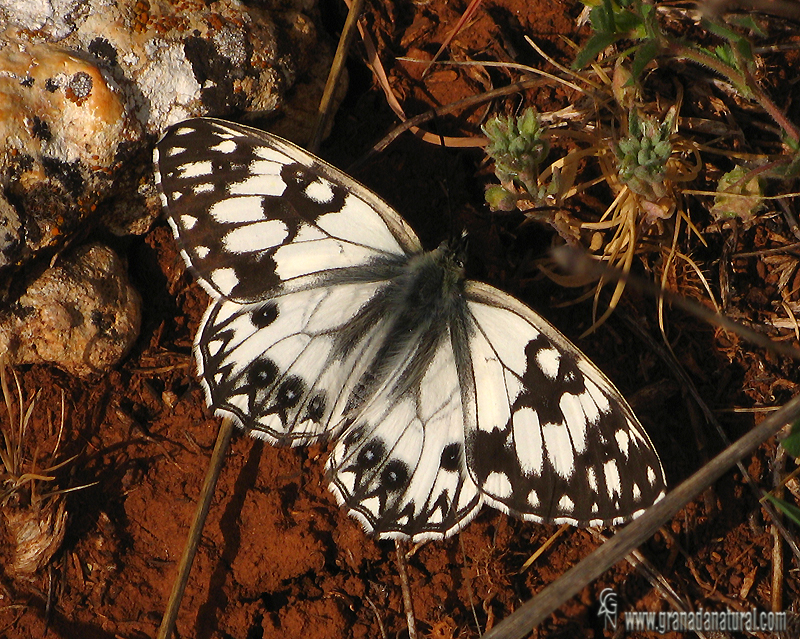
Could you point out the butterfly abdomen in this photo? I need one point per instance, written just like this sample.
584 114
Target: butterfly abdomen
417 308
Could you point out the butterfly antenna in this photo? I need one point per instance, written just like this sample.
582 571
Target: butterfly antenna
193 539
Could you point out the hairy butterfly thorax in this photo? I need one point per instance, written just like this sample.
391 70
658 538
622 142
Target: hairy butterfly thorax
329 321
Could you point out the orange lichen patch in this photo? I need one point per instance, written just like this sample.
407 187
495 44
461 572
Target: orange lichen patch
141 16
47 89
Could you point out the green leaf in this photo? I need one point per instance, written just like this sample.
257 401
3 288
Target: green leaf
792 442
738 196
724 52
612 21
644 54
720 30
746 21
745 50
602 18
735 41
790 510
630 24
594 45
499 199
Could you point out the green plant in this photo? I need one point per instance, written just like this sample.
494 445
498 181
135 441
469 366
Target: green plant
790 510
614 20
637 21
643 155
517 147
792 441
740 195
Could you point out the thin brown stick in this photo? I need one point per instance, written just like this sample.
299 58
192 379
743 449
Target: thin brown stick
377 616
325 112
576 262
474 100
196 529
776 592
405 588
468 584
469 11
645 568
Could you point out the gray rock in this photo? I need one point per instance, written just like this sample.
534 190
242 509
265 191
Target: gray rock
81 315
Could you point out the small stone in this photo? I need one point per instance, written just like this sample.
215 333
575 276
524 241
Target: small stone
63 131
81 315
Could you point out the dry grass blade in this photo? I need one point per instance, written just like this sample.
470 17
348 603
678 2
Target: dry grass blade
584 267
468 13
541 549
376 66
325 111
196 529
33 511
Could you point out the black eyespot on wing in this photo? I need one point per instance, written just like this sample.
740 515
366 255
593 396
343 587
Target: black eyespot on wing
290 392
394 475
262 373
264 315
316 408
371 454
451 458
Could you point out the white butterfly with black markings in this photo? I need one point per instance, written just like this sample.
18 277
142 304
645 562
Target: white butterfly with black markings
328 321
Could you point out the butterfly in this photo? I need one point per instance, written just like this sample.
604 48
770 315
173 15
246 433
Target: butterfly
329 322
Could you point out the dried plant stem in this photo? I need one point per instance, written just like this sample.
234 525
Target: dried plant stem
196 529
679 50
405 588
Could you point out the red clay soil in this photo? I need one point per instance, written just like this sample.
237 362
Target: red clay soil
278 558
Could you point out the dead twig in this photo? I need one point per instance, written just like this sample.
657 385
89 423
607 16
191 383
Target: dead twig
405 588
324 111
776 592
377 616
468 583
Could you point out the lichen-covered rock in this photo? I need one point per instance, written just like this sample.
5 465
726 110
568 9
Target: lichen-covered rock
82 315
64 127
10 233
179 58
84 82
85 88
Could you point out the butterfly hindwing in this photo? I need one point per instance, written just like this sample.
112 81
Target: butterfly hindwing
552 440
400 466
284 367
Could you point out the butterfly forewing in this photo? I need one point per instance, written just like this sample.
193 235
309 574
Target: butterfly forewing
328 321
255 215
